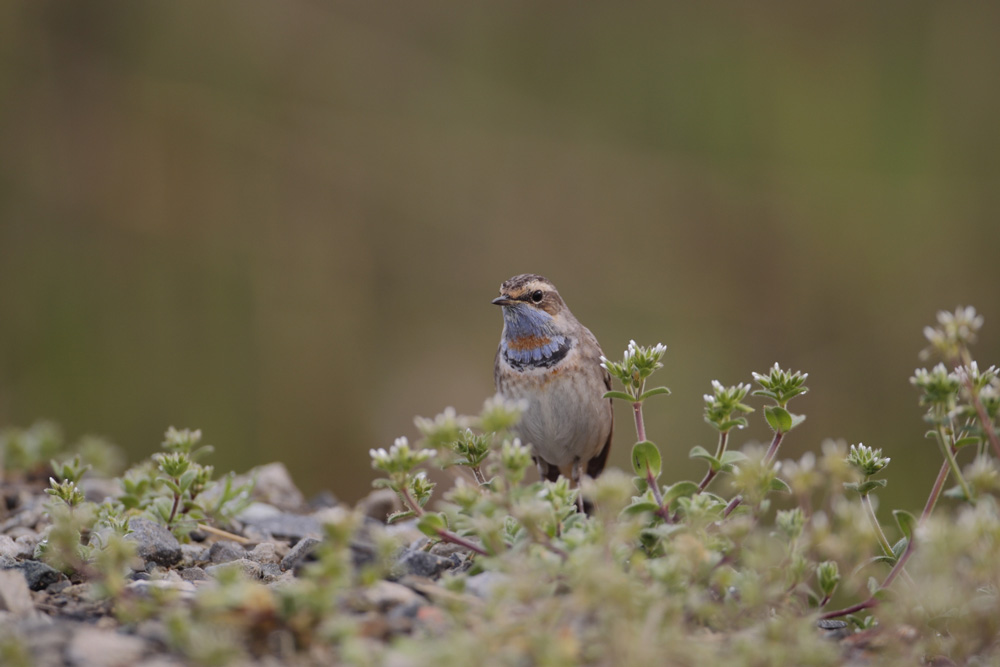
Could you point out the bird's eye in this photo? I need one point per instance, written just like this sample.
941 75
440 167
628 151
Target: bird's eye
537 295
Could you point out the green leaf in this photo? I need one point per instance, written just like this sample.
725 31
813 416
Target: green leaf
679 490
956 492
399 516
640 483
187 479
731 424
906 521
431 524
729 457
796 420
619 394
967 440
646 459
699 452
640 506
654 392
899 547
870 485
778 484
778 418
767 393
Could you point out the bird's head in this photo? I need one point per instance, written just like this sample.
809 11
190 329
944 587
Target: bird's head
533 312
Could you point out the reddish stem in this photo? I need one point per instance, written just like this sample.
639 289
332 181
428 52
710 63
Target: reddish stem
640 428
772 451
935 492
449 536
710 475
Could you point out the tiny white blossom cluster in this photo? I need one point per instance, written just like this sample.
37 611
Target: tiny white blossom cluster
399 457
954 330
867 459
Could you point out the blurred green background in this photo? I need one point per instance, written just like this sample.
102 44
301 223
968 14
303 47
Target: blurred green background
283 222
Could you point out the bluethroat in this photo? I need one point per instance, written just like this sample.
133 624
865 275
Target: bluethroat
547 358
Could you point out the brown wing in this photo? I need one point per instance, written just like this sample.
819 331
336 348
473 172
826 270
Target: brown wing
596 465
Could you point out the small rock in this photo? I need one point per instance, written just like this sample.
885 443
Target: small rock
422 564
248 567
483 584
270 572
99 489
38 575
363 553
449 549
432 619
286 526
331 514
193 553
58 587
8 548
155 544
372 625
265 552
406 532
275 487
258 512
194 573
386 594
322 500
224 551
379 504
302 549
185 588
27 544
104 648
14 595
400 618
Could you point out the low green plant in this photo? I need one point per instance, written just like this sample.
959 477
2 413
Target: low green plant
737 568
170 488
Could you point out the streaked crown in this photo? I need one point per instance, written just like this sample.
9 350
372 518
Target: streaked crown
533 290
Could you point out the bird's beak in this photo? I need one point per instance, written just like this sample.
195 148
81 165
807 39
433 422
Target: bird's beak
502 301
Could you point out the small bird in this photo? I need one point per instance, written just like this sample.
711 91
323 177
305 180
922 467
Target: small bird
549 359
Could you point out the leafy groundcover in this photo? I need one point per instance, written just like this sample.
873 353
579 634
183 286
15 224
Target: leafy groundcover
762 561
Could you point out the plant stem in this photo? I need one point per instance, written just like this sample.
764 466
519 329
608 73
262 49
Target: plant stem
449 536
719 450
173 510
662 512
949 456
640 428
873 601
410 502
867 502
983 418
966 360
445 535
772 451
478 474
898 567
935 492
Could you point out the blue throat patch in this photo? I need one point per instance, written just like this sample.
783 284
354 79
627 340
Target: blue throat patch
529 339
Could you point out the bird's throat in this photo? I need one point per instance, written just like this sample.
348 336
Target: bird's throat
534 351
